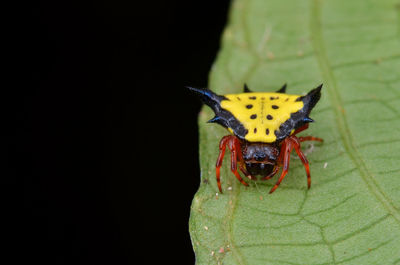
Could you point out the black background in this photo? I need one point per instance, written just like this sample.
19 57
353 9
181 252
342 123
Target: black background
106 138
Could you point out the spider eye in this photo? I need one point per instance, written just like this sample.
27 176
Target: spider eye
260 156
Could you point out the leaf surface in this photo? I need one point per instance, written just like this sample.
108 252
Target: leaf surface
351 214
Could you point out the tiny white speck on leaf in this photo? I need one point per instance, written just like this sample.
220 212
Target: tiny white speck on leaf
270 55
229 188
326 164
206 228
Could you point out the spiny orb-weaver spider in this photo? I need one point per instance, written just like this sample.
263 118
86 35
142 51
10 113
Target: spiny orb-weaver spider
263 127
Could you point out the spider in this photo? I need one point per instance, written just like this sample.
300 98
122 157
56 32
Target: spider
263 130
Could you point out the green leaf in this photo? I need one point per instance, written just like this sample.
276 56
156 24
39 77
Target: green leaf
351 214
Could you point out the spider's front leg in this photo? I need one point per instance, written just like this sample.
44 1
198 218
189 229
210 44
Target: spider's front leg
272 174
242 168
296 143
222 147
290 143
236 153
284 158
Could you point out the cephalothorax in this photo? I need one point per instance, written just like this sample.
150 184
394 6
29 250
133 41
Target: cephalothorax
263 127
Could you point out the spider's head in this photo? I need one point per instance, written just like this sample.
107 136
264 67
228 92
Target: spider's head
260 158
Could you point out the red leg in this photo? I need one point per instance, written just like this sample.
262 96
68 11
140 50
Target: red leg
236 154
302 128
306 138
310 138
242 168
279 162
287 147
234 167
296 143
222 147
276 169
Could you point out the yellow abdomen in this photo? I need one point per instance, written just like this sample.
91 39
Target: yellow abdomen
262 113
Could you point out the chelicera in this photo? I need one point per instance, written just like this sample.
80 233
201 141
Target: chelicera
264 128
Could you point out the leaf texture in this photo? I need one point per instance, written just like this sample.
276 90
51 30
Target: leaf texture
351 214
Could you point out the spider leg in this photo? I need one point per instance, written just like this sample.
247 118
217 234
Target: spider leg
287 147
310 138
274 171
242 166
296 142
234 147
279 162
236 154
222 147
302 128
306 138
245 172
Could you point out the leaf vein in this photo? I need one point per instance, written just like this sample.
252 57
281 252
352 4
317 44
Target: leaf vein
334 96
362 229
366 252
375 61
331 207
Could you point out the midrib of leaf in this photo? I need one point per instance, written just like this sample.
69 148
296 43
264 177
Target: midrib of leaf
398 19
334 96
